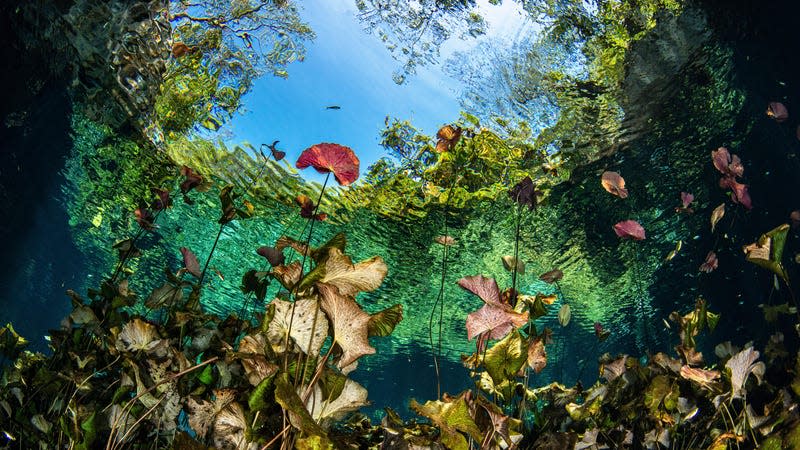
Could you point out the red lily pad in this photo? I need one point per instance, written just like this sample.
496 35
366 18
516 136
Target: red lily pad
483 287
331 158
629 229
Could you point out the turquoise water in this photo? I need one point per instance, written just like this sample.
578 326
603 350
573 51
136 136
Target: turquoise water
716 95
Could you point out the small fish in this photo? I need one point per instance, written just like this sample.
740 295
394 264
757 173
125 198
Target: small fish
333 107
666 324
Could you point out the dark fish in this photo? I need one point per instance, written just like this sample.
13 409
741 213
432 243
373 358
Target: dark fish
333 107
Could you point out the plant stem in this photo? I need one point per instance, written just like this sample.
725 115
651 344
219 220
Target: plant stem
210 254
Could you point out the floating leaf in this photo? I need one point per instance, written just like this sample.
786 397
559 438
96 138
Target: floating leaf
739 192
552 276
331 158
190 262
302 321
277 154
350 324
777 111
716 215
629 229
564 314
767 252
162 201
613 183
513 264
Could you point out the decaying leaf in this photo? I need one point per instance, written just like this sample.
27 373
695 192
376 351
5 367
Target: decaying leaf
339 271
231 430
552 276
326 410
252 351
741 365
350 324
304 323
453 418
537 355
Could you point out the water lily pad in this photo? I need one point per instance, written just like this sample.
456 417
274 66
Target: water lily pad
331 158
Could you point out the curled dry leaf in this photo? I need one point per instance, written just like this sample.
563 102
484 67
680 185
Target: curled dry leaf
716 215
448 137
537 355
252 353
231 431
137 335
614 183
629 229
700 376
326 410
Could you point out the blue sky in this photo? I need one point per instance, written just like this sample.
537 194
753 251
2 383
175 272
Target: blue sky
348 67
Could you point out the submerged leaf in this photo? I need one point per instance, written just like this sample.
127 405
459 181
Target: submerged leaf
777 111
350 324
484 287
741 365
445 240
564 314
190 262
552 276
537 355
325 409
273 255
505 359
453 418
448 137
339 271
525 193
302 321
513 264
767 252
382 323
710 264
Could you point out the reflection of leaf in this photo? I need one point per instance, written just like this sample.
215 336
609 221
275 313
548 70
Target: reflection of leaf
564 314
350 324
288 275
768 251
